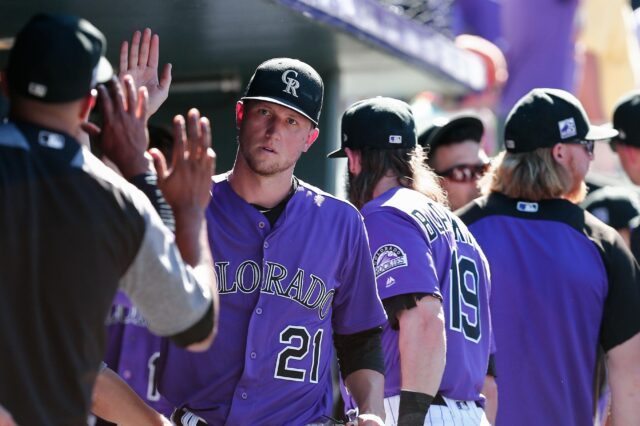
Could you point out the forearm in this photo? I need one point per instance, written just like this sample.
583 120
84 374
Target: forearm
367 388
624 380
422 345
490 392
115 401
193 242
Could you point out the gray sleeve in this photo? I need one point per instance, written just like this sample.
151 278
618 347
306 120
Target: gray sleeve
168 292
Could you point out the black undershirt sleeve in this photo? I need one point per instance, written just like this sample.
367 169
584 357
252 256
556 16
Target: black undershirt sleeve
395 304
491 368
359 350
197 332
148 183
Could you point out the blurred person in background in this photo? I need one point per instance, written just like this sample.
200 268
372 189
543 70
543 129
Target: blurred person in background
454 154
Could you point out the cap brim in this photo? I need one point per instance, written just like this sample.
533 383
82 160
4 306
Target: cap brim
279 101
598 133
338 153
104 71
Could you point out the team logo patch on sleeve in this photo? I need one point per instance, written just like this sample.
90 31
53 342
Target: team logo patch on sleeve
387 258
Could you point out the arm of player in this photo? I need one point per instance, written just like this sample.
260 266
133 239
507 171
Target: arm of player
5 418
115 401
624 380
187 188
490 392
141 62
367 388
187 184
422 345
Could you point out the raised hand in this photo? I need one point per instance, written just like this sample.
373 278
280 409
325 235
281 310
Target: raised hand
141 62
187 184
124 137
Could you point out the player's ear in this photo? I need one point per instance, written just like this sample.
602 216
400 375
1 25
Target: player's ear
311 138
354 158
239 113
87 104
560 153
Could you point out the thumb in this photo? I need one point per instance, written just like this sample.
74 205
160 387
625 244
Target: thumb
159 163
90 128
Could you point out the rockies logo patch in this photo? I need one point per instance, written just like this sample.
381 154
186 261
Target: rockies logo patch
387 258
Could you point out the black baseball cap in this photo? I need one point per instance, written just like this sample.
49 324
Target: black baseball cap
379 123
545 117
57 58
290 83
626 119
615 206
442 128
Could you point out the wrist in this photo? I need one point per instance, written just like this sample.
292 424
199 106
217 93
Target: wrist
413 407
136 166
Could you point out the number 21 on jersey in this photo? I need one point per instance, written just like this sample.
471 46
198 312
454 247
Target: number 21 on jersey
299 344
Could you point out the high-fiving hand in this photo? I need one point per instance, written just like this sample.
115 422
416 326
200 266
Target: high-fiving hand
141 62
187 184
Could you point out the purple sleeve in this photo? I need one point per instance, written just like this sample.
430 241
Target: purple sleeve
357 306
402 256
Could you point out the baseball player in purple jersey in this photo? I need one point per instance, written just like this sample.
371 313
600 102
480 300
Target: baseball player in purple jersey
563 282
431 274
295 277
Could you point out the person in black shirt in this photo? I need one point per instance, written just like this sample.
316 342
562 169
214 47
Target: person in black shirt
73 231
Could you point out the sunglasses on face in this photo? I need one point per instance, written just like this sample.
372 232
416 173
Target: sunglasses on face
463 173
588 145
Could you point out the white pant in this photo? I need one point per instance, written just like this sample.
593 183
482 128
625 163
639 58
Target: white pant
455 413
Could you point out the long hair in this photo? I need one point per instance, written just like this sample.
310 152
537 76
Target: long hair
407 164
531 176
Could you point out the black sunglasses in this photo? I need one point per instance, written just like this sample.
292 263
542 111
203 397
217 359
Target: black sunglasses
588 145
463 173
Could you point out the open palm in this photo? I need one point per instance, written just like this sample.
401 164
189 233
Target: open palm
141 62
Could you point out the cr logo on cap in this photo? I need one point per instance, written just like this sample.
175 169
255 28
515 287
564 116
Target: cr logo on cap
292 83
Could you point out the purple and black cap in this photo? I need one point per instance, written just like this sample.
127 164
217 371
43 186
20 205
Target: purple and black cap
290 83
545 117
377 123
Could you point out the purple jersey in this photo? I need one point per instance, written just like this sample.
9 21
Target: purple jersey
283 291
133 352
563 282
419 246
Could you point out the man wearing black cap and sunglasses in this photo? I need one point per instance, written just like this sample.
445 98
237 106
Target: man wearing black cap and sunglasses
455 154
431 274
295 277
73 231
563 282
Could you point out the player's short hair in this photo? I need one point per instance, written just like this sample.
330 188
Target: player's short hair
533 175
406 163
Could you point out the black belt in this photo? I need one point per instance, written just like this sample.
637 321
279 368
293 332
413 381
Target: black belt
180 416
439 400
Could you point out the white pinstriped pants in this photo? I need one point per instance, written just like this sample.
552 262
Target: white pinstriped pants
455 413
